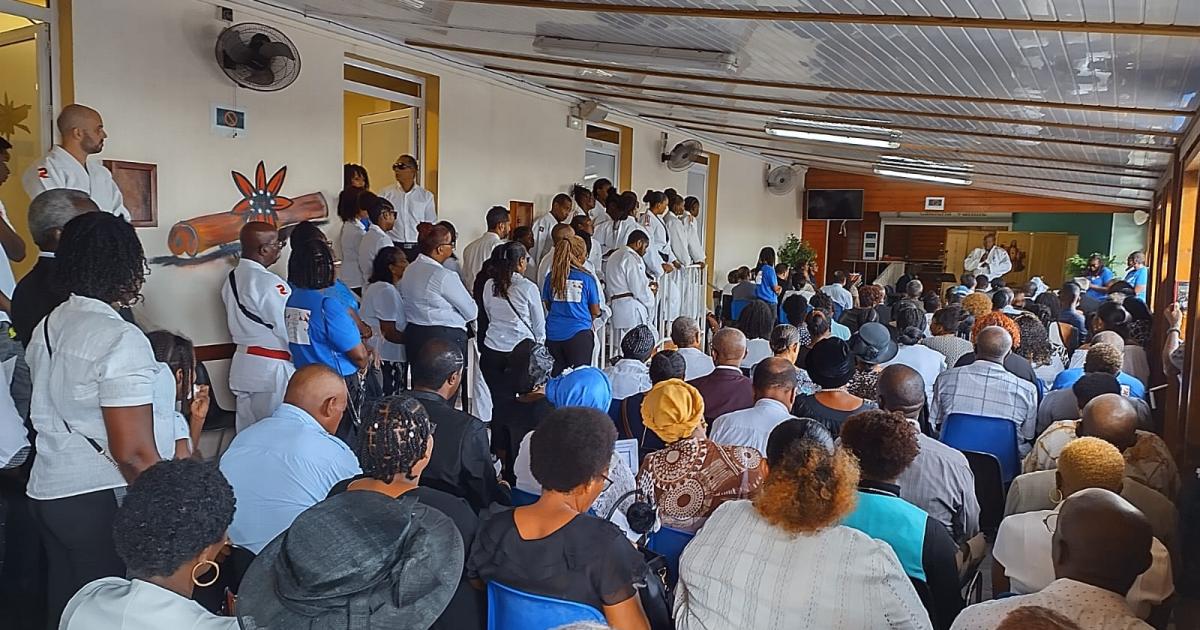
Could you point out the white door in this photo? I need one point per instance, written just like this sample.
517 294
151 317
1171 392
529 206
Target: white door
385 136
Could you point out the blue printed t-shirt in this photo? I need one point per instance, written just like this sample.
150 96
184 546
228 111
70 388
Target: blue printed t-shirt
1104 277
1130 386
570 314
320 331
1138 277
767 281
342 293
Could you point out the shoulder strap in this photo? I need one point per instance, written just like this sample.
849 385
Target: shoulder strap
50 354
522 319
245 311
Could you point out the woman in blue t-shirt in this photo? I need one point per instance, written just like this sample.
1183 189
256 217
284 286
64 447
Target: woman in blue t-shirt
768 282
572 299
1138 275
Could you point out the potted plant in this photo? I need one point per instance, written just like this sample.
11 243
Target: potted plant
795 252
1077 264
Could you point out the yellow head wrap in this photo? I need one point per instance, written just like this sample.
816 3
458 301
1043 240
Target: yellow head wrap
672 409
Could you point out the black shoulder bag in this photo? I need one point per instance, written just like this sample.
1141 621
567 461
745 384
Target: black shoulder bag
654 592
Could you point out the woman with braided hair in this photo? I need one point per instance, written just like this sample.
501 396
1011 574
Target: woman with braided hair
394 447
572 299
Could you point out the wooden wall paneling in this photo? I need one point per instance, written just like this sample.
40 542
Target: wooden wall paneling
816 233
1189 205
915 242
1022 269
1172 427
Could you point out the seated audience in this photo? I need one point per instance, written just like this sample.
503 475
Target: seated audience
356 560
816 325
872 296
910 326
1013 362
692 474
945 339
288 461
1069 310
1113 317
726 389
1112 418
1035 348
1068 404
978 304
822 302
1036 618
630 375
461 463
985 388
1023 551
789 537
1100 545
628 414
393 450
169 531
685 334
785 344
1106 358
854 318
830 365
939 480
872 347
756 322
885 444
553 548
774 392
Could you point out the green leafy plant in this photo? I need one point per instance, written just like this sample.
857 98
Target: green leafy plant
1077 264
795 251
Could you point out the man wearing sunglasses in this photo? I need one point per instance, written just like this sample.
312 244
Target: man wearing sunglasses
413 205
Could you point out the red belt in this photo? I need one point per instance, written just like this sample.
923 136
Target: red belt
269 353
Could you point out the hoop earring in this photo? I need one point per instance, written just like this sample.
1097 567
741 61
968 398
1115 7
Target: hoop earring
204 563
1058 500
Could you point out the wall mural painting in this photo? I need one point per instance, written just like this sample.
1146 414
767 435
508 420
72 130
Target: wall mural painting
12 117
215 236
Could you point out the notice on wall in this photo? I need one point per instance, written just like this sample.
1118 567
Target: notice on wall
228 122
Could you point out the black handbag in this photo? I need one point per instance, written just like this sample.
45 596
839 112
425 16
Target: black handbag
654 592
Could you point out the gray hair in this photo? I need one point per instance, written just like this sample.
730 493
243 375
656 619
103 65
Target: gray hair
784 336
685 331
53 209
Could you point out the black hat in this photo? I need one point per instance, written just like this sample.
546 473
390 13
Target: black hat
873 344
357 560
830 363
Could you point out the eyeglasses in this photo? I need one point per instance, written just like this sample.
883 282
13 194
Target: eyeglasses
400 166
279 244
607 483
1051 522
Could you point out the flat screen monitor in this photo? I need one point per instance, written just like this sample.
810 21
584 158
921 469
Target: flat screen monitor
833 205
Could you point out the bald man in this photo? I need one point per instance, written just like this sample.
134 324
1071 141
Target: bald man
288 462
774 385
255 299
986 388
81 133
1101 545
726 389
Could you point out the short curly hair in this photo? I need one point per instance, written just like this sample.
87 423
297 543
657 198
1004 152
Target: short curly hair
172 512
394 437
870 295
996 318
99 256
810 484
570 447
1102 357
884 442
1090 462
977 304
1035 339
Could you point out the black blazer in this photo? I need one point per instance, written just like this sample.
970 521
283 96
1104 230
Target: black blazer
461 463
724 390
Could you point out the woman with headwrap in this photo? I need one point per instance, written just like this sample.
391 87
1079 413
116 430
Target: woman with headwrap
693 475
528 370
572 299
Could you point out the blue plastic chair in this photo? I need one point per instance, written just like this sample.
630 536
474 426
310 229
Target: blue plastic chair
670 543
521 497
735 310
510 609
997 436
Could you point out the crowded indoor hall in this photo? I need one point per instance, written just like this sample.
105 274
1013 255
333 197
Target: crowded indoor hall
572 315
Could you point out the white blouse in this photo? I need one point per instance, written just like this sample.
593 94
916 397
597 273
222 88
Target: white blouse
507 327
350 239
381 301
169 424
114 603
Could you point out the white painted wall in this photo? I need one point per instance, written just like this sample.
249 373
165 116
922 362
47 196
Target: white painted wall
148 67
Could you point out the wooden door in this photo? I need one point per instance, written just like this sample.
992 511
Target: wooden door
958 245
520 213
383 137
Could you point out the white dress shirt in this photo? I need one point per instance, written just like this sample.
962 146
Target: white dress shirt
115 603
1023 546
507 327
381 301
839 295
351 271
742 572
750 427
59 169
435 296
374 240
412 207
542 227
929 363
627 274
1090 607
628 377
698 363
96 359
996 259
475 254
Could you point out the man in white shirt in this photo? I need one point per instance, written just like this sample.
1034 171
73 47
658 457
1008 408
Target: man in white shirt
479 250
255 299
774 382
837 291
989 260
1101 544
561 211
66 165
413 204
685 333
631 375
627 285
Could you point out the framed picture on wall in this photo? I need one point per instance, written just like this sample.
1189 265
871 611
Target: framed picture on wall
138 183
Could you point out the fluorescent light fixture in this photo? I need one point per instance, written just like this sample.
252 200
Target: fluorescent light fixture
657 56
907 163
840 126
819 136
924 177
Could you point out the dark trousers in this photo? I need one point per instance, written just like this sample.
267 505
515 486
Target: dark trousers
573 352
77 532
416 336
494 366
23 576
387 379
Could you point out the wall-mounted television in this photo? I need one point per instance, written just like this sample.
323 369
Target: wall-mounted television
833 205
